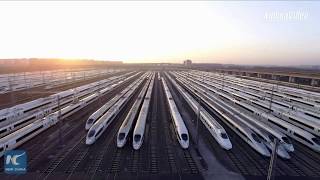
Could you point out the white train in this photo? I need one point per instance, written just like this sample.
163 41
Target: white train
215 129
41 112
99 113
238 127
102 123
29 107
24 134
260 131
138 132
126 125
289 129
179 126
310 124
296 133
22 110
301 98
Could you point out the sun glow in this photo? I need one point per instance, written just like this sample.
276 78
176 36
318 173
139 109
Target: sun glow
141 31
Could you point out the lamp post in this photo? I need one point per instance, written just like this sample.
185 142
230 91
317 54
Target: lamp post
273 160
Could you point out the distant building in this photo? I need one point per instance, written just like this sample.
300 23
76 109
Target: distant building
187 62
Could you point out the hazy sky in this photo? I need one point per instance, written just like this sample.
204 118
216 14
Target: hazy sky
216 32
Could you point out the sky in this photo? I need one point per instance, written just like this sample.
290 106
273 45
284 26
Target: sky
237 32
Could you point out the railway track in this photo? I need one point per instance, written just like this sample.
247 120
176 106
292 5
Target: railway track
73 129
185 161
159 156
247 162
100 151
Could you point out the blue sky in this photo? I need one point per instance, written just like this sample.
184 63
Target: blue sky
218 32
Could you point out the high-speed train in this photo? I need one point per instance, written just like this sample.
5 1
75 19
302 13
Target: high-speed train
102 123
138 132
305 121
267 86
289 129
179 126
302 99
238 127
48 104
285 127
215 129
126 125
260 129
296 133
261 132
24 134
99 113
22 121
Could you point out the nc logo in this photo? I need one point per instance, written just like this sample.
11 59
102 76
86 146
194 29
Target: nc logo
15 162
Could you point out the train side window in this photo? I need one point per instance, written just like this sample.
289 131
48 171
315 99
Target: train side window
29 133
184 137
303 138
280 126
306 114
99 132
316 140
3 119
293 119
256 138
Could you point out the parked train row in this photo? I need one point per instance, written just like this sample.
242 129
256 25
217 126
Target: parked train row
297 97
179 126
215 129
102 123
311 124
291 91
138 111
263 127
18 137
20 81
20 110
24 134
40 112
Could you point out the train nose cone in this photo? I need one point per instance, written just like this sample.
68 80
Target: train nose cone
262 149
135 146
185 145
89 141
120 143
282 152
227 145
290 148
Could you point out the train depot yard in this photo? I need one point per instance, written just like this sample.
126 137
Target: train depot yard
165 123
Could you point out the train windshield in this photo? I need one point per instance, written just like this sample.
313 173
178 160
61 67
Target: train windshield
255 137
316 140
91 133
224 135
286 140
121 136
137 137
90 121
184 137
